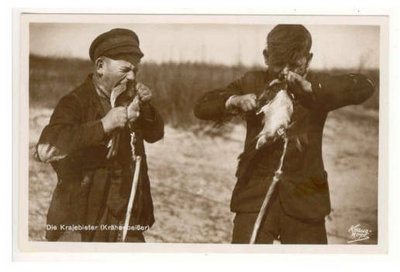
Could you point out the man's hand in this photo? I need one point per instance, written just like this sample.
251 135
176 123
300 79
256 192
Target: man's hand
115 118
133 110
144 92
245 102
299 85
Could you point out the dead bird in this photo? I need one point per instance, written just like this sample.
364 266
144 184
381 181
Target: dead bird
125 96
282 115
276 105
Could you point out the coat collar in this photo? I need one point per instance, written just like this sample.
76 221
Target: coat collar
93 98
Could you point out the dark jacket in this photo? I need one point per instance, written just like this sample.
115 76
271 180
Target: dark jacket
303 189
84 174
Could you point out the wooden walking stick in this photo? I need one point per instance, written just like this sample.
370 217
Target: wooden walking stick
138 160
270 192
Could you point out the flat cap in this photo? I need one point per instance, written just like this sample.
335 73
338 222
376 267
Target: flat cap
118 43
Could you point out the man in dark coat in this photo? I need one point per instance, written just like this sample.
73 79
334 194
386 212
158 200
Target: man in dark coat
94 183
297 210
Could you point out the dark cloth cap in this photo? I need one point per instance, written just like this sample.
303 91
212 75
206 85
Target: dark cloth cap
117 43
286 43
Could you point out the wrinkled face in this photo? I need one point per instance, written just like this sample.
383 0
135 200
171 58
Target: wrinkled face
299 66
115 72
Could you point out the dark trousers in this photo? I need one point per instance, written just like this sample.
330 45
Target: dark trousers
111 213
277 225
74 236
113 235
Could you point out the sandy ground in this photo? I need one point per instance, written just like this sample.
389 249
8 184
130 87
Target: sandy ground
192 177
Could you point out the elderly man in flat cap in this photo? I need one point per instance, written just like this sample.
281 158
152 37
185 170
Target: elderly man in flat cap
296 208
88 142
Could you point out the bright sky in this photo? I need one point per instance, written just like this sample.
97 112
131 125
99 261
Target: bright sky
341 46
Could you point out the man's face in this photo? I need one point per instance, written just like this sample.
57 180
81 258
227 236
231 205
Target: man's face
116 72
299 66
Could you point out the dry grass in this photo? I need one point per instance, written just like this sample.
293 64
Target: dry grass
176 86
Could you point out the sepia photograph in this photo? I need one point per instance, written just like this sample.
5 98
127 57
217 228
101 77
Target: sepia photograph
190 129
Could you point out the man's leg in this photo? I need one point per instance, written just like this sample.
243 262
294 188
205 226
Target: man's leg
269 229
135 237
295 231
70 236
108 219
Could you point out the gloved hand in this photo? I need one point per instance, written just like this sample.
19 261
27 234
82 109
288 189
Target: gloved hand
245 102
